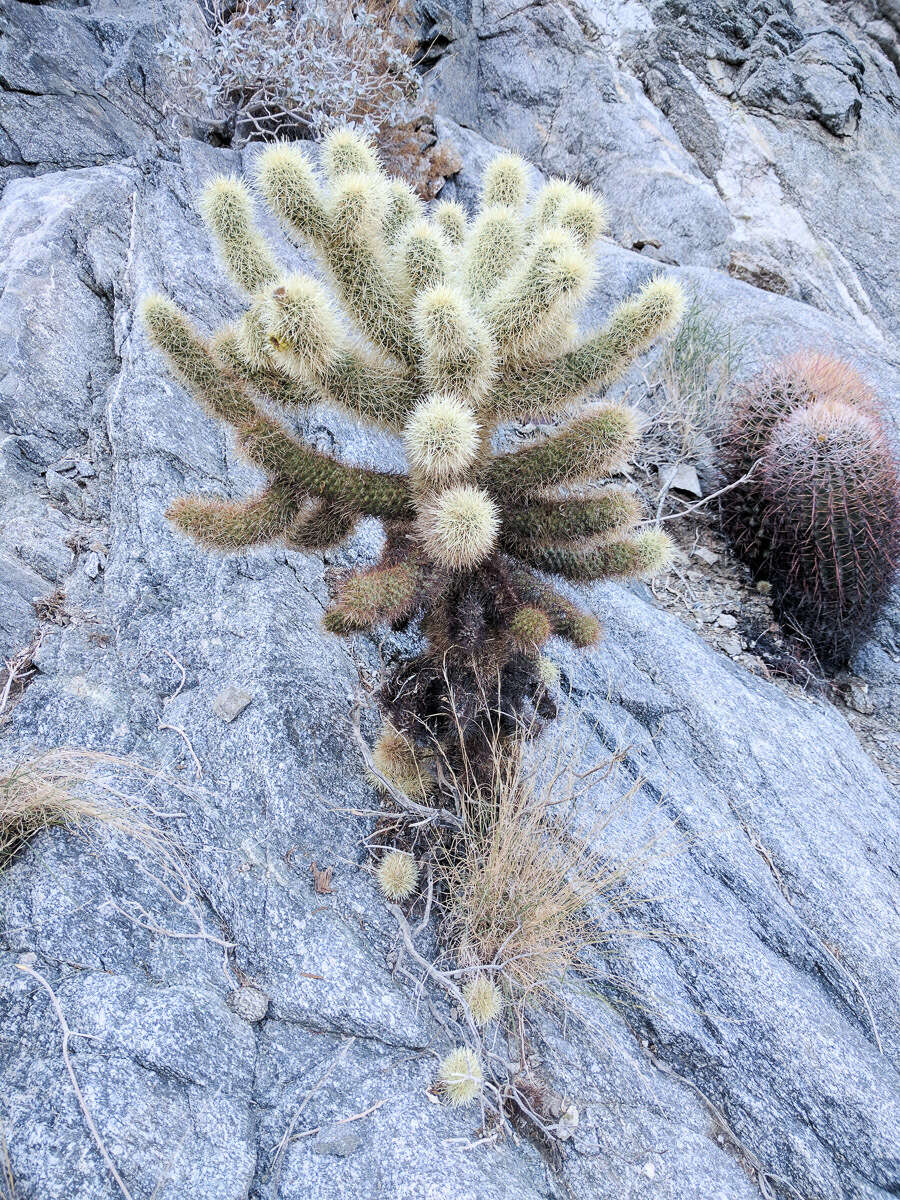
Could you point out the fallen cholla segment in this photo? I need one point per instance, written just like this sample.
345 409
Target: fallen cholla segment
437 328
460 1077
397 875
484 999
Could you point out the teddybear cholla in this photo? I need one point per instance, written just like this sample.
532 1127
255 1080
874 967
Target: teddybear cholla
462 325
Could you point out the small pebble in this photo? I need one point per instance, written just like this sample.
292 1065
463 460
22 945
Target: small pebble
856 696
680 477
248 1002
230 703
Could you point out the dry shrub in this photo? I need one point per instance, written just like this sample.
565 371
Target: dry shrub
295 69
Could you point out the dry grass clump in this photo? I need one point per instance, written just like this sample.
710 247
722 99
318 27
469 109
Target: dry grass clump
523 880
40 793
75 788
693 380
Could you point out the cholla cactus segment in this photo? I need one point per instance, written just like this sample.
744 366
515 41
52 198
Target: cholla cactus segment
397 875
460 1077
530 628
550 200
574 209
302 325
647 554
382 594
286 179
228 211
458 357
584 216
544 522
459 527
436 329
539 298
441 438
401 207
819 518
596 362
232 525
348 152
492 250
590 445
505 182
425 258
450 218
395 756
484 999
567 620
548 672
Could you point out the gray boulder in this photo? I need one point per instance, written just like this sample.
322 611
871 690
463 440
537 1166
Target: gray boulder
82 84
761 134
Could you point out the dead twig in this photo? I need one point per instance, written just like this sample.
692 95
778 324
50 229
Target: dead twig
160 724
764 1178
431 970
19 668
426 916
79 1095
169 654
712 496
343 1121
281 1147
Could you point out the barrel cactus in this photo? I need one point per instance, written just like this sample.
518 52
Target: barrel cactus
820 516
438 328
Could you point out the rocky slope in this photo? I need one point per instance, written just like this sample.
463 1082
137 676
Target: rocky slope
754 1049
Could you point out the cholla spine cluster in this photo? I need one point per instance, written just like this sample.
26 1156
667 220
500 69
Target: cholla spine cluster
465 324
819 517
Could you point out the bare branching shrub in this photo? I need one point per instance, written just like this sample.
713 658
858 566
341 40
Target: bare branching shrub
692 382
296 69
